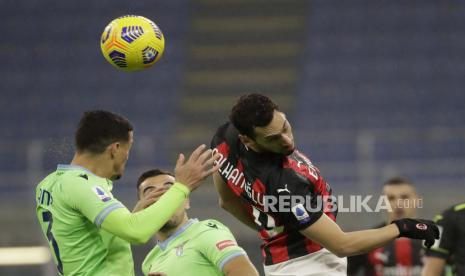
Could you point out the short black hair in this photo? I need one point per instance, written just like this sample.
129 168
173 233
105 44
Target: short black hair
398 180
151 173
99 128
250 111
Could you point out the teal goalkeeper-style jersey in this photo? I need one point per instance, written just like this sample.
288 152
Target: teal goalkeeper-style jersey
72 203
199 248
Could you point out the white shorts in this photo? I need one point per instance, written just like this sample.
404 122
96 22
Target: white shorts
320 263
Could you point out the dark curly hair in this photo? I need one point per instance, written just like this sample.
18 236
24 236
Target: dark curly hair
250 111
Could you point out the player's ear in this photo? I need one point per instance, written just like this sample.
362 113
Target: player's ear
113 149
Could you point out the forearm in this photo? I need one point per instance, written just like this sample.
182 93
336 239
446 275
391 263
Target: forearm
240 266
359 242
139 227
327 233
241 271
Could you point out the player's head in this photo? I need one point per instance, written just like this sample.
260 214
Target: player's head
107 135
402 196
157 180
261 125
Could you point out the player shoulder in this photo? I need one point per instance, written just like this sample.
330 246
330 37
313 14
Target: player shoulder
459 207
74 176
226 133
212 224
455 209
451 214
299 166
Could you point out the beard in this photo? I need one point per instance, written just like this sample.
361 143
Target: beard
115 177
118 170
169 225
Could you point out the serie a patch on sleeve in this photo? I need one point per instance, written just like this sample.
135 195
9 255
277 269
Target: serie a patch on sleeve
300 213
101 193
224 244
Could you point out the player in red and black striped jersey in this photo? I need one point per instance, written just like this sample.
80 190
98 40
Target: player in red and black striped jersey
260 167
401 256
259 175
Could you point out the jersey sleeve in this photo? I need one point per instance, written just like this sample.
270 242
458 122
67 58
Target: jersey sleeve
139 227
218 244
449 235
304 205
94 201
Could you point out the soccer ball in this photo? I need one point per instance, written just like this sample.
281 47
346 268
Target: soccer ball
132 43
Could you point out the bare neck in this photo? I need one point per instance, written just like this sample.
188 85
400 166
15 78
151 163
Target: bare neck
164 235
97 164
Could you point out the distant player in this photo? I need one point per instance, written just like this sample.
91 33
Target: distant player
401 256
89 230
450 249
258 158
188 246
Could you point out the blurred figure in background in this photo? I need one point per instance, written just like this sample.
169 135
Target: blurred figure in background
401 256
450 248
188 246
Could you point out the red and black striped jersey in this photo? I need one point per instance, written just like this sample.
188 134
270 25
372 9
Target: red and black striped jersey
272 187
401 256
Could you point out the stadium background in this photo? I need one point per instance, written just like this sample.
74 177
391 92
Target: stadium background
373 89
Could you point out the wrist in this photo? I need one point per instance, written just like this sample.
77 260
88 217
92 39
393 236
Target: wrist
401 226
396 229
182 188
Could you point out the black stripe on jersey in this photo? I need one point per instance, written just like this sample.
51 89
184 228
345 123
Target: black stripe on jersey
296 245
268 258
416 252
391 251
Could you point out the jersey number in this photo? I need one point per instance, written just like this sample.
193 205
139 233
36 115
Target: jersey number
267 222
47 217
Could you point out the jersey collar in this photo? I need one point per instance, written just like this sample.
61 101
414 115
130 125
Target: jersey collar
178 232
68 167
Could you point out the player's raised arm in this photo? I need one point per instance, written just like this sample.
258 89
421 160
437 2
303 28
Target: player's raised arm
139 227
229 202
327 233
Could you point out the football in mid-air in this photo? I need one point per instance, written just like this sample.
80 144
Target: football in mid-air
132 43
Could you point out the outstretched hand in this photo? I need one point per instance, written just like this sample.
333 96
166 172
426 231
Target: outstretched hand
198 166
419 229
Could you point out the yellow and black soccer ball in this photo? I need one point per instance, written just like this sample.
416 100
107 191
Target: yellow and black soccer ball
132 43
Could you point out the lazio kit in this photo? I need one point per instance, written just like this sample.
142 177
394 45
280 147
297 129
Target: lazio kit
197 248
72 203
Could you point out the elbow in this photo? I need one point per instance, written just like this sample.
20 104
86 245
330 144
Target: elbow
140 240
338 251
136 239
341 251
